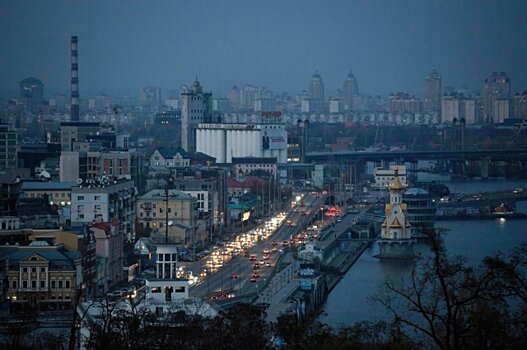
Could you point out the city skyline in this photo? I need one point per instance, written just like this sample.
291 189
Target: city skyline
389 47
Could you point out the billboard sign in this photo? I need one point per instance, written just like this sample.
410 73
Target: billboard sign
273 139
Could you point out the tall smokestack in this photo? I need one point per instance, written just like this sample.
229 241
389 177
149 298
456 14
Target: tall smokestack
74 116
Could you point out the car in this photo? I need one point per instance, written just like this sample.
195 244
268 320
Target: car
338 220
256 266
256 275
274 243
235 276
253 279
267 264
285 243
114 295
517 190
253 258
275 249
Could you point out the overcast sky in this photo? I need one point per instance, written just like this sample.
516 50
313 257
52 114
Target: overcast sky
389 45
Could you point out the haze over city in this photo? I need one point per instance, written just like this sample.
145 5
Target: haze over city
263 175
389 45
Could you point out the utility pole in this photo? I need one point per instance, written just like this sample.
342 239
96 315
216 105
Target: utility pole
166 214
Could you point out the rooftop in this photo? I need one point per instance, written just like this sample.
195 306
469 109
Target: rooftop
415 191
161 194
52 185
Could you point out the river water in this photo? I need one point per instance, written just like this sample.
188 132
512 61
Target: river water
350 301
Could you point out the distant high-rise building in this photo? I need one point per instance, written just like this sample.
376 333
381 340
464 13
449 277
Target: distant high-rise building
449 108
496 90
404 103
316 94
58 103
519 105
31 93
74 109
349 90
102 101
265 104
432 102
457 106
151 97
335 103
196 108
8 142
234 97
221 104
248 96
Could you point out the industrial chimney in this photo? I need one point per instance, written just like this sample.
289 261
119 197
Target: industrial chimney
74 116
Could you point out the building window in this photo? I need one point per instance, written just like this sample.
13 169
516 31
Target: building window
13 284
80 198
42 284
156 290
33 269
24 284
33 284
168 293
97 198
53 284
42 269
67 284
180 289
24 269
60 284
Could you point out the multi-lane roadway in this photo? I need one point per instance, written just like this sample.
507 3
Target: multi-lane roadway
238 276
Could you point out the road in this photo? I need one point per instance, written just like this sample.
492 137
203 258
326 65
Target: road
221 282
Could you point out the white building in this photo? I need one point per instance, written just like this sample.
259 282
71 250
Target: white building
105 202
501 110
225 141
449 108
383 177
335 105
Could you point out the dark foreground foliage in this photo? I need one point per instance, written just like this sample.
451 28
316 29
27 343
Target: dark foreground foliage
444 304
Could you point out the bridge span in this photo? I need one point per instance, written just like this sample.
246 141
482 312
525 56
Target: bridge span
412 156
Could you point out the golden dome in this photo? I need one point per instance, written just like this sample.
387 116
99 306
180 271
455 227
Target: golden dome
396 183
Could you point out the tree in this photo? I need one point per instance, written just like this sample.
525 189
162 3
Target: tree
448 302
311 334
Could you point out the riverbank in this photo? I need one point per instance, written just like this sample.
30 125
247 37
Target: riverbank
341 264
514 216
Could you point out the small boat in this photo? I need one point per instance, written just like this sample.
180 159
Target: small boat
503 210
